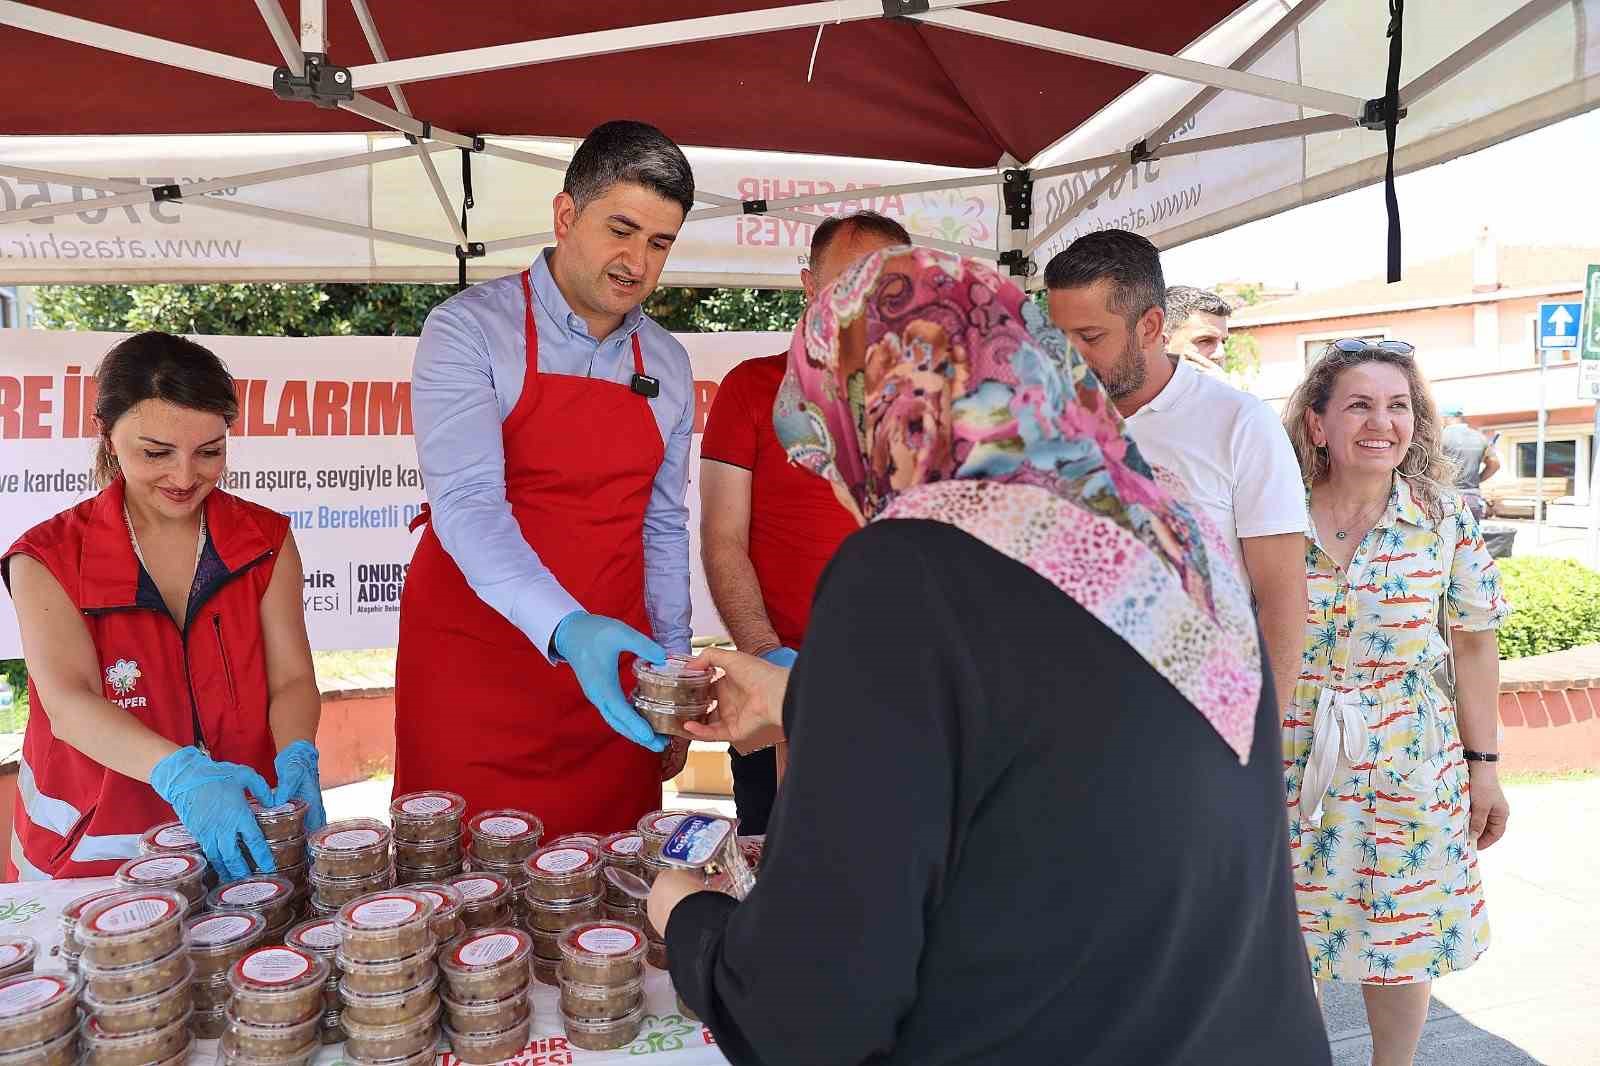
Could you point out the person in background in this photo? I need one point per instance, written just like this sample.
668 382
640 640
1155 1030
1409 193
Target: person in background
1473 456
768 528
1011 800
1229 450
1392 786
1197 328
553 423
161 621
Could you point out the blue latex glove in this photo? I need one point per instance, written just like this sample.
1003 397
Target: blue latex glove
592 643
783 657
209 798
296 767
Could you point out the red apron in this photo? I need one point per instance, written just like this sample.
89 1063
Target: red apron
478 709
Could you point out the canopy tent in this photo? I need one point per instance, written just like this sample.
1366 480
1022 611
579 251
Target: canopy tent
1001 128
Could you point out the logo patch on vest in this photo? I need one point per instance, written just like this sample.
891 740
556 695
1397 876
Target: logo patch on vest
122 676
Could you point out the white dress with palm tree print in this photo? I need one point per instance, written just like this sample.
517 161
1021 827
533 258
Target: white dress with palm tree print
1387 884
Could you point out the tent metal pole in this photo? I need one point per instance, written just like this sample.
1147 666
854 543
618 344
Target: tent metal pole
625 39
813 220
369 28
529 240
549 161
283 36
314 26
1502 32
1092 163
138 45
1141 59
736 207
369 108
1276 131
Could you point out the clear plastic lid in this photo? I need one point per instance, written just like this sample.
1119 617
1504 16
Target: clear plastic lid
445 899
70 913
678 673
96 1038
380 1000
295 1034
388 968
563 864
591 839
171 959
293 810
426 807
506 827
361 882
166 868
391 911
17 951
481 889
602 942
49 1051
125 914
622 847
658 825
486 951
483 1007
168 836
421 1058
97 1006
319 936
258 893
30 994
225 933
349 839
603 1028
270 972
398 1031
579 990
562 906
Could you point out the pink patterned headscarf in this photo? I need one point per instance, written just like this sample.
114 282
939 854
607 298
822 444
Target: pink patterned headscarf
924 385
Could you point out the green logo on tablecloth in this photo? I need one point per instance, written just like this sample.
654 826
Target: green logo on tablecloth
19 910
661 1032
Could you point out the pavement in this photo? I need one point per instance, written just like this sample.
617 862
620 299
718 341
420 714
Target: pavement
1532 1000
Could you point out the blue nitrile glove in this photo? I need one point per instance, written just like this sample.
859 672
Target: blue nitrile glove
592 643
296 767
783 657
209 798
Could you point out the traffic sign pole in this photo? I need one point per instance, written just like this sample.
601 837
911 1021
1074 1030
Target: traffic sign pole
1589 356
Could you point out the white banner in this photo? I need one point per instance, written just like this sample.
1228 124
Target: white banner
324 436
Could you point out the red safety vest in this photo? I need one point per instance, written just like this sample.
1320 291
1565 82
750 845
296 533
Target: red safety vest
204 685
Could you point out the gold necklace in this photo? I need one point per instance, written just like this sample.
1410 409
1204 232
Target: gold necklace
1341 534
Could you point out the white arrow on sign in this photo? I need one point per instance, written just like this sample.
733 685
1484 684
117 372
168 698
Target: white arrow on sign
1561 318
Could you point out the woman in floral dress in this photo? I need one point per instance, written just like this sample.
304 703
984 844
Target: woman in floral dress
1392 789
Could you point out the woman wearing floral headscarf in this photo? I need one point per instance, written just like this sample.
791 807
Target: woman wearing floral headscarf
1032 810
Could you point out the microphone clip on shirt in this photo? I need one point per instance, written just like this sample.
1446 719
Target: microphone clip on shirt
645 385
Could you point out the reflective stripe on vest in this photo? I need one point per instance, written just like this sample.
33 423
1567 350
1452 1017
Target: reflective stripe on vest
26 871
47 812
99 849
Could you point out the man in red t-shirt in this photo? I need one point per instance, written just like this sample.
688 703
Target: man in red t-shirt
767 528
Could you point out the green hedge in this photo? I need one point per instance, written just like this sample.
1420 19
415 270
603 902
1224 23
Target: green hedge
15 718
1555 606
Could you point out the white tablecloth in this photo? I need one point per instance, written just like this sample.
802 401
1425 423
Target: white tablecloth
33 908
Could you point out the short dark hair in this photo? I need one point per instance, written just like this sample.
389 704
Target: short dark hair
157 366
860 222
634 152
1128 260
1186 300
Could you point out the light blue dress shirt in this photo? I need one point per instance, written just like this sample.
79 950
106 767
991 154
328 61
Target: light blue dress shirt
466 381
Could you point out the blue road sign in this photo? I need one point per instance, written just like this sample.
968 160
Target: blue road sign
1558 324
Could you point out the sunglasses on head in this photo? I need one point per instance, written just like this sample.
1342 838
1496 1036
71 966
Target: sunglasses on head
1352 346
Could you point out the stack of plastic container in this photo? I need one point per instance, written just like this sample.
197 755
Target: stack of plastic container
445 920
654 829
502 841
136 974
486 972
674 692
621 851
168 836
216 942
602 985
182 871
390 983
486 899
272 896
562 890
284 826
71 948
17 955
320 937
349 859
276 1007
39 1019
427 836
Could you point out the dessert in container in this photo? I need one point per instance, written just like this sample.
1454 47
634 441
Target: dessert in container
668 719
486 1015
383 926
514 872
130 928
37 1008
373 1043
602 953
317 936
488 1048
563 872
426 817
591 839
17 955
654 829
112 984
299 1057
376 978
389 1008
182 871
331 1031
168 836
486 964
434 855
350 849
630 913
211 993
607 1035
287 854
61 1051
623 850
598 1003
286 821
485 898
422 875
445 918
278 986
209 1023
335 892
251 1041
677 684
102 1048
128 1016
546 971
217 941
505 836
70 944
708 845
270 895
559 917
421 1058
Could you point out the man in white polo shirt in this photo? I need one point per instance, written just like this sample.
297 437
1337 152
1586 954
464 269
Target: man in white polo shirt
1108 295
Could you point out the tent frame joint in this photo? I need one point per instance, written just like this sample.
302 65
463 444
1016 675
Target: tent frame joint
1018 263
1375 114
1140 153
754 207
323 83
899 9
163 193
473 250
1017 191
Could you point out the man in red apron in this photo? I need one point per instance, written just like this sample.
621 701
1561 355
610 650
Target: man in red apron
553 423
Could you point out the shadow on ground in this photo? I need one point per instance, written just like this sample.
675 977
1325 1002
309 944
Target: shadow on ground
1448 1040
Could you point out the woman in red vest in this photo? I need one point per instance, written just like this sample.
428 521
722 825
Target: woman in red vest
166 647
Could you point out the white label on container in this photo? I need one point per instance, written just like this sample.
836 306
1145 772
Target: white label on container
250 893
487 950
175 836
274 966
608 940
628 845
136 914
161 868
562 860
350 839
385 912
29 995
503 826
325 934
426 805
220 929
440 902
476 888
666 823
10 953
